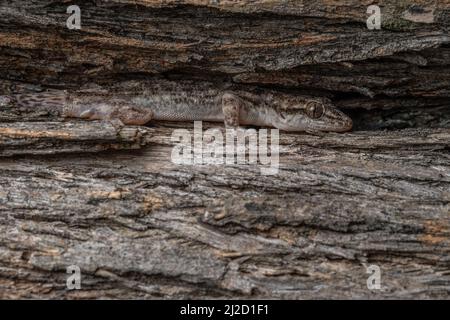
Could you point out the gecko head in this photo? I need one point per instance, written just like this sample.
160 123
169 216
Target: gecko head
311 114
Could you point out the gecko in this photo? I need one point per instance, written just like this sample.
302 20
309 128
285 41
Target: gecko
137 103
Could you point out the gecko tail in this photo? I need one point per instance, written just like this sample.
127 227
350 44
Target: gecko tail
43 100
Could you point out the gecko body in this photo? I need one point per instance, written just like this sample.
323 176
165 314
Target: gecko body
137 103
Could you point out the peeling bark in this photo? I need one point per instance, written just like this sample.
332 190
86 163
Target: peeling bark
34 138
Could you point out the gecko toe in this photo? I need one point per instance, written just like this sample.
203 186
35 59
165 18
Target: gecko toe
5 101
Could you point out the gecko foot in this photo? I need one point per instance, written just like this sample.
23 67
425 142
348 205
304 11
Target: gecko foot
6 101
117 124
87 114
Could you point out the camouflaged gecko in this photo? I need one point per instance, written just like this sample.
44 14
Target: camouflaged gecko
137 103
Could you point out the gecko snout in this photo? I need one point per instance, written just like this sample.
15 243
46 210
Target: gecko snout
348 123
340 121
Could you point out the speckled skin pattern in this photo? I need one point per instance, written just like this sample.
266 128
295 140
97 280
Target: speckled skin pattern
136 103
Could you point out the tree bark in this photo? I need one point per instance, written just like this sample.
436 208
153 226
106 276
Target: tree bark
37 138
109 199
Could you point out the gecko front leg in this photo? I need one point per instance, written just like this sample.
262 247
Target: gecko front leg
231 105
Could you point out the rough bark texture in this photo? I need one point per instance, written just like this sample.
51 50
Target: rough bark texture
140 226
33 138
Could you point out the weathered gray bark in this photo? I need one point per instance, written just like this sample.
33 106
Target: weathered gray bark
140 226
35 138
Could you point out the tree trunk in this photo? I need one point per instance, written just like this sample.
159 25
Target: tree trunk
108 198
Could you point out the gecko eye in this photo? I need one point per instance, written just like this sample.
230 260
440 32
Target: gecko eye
314 109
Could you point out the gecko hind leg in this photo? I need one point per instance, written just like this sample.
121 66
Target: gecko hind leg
134 115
